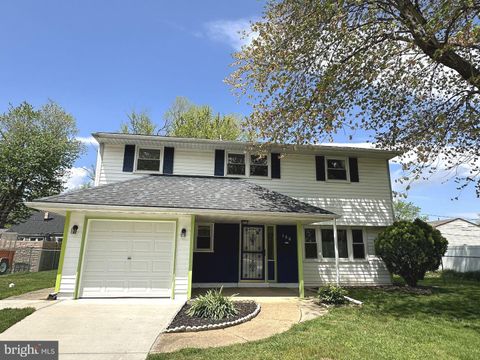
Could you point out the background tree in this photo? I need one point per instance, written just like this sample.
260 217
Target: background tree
410 249
405 71
37 149
139 123
406 210
185 119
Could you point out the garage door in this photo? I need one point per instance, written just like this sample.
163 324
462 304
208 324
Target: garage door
128 259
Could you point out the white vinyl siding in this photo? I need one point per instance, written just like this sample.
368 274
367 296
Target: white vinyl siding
366 203
459 232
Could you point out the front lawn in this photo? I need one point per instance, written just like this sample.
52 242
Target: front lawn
26 282
8 317
390 325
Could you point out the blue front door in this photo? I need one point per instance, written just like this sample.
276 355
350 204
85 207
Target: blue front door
287 260
253 253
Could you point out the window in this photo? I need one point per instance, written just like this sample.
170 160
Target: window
358 244
204 238
236 164
310 244
336 169
148 160
37 238
258 165
328 245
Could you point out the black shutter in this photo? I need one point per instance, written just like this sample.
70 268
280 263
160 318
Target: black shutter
275 166
320 167
219 162
128 158
353 165
168 160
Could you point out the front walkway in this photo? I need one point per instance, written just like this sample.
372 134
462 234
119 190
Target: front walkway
96 329
278 314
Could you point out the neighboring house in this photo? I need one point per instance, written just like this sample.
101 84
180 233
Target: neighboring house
168 214
463 237
40 226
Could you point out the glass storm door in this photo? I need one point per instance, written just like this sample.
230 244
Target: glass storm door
253 253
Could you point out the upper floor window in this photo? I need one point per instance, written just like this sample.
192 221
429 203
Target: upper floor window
258 165
235 164
336 169
148 159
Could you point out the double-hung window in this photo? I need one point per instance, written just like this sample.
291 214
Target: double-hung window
336 169
328 244
311 250
204 238
148 160
358 245
235 164
258 165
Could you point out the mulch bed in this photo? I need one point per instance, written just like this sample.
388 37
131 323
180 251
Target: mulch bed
182 319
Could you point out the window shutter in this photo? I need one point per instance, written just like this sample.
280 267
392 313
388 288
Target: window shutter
128 158
353 165
219 162
320 167
275 165
168 160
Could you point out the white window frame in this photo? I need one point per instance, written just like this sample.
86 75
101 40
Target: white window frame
137 152
211 248
247 164
318 238
347 168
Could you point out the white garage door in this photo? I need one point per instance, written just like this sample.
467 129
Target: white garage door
128 259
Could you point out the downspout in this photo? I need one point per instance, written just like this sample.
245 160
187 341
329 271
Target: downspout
335 241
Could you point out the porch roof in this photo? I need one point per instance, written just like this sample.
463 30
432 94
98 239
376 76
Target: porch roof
187 192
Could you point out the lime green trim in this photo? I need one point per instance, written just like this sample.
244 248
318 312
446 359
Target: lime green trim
62 252
190 258
84 233
174 259
300 242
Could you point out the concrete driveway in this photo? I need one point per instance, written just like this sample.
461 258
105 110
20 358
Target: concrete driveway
120 329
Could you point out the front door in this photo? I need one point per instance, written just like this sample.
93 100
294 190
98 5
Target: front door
253 253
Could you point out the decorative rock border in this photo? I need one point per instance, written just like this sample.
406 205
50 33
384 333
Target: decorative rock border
216 326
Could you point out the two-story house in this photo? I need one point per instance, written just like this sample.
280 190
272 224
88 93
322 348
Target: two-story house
168 214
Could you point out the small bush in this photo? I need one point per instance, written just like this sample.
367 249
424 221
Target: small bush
410 249
212 305
331 294
468 275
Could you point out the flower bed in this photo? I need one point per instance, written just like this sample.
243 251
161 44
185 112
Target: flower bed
182 322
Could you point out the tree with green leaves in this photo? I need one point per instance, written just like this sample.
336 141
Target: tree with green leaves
406 210
405 71
37 149
185 119
139 123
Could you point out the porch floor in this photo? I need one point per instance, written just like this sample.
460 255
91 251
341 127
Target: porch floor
246 293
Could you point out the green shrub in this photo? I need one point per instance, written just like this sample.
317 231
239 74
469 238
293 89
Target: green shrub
410 249
468 275
212 305
331 294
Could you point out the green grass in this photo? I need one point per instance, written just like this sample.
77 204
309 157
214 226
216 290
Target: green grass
390 325
8 317
25 282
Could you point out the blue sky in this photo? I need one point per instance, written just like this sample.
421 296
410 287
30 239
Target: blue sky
101 59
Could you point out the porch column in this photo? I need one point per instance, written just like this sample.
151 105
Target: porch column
335 241
190 258
300 241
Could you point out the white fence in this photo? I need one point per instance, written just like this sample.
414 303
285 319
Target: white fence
462 258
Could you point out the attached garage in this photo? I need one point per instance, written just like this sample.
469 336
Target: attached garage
128 258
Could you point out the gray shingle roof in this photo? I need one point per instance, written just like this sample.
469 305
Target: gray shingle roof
188 192
37 225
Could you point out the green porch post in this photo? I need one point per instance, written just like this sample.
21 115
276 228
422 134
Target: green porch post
190 258
300 241
62 252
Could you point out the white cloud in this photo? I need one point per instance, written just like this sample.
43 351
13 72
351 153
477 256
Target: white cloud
76 177
230 32
87 140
